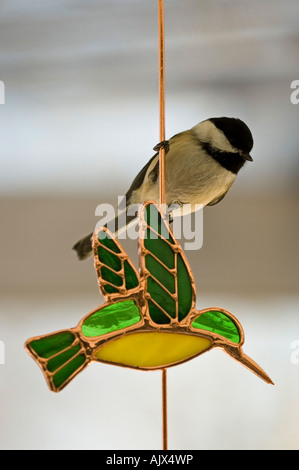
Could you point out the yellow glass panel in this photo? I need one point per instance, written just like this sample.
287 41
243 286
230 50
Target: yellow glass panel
152 349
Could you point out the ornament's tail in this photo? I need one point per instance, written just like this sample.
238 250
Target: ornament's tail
61 356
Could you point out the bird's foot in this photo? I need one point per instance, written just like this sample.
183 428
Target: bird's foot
162 145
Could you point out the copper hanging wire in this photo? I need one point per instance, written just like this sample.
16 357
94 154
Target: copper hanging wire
164 409
162 191
162 103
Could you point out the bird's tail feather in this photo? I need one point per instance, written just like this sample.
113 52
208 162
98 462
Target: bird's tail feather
61 356
84 246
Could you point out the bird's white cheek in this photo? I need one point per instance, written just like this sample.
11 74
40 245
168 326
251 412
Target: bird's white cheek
207 132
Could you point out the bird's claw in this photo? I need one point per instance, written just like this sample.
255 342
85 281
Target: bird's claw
162 145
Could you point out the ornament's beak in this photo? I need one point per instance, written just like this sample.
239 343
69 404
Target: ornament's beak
238 354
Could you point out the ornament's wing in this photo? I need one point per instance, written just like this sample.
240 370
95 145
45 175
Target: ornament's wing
219 322
116 272
110 319
169 284
227 333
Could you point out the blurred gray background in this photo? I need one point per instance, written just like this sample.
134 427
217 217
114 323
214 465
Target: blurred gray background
80 119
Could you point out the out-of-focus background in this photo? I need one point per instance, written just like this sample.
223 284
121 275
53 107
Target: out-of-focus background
80 119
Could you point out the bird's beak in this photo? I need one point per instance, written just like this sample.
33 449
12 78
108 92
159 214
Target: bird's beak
248 157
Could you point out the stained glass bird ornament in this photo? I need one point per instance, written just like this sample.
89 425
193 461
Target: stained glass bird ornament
149 320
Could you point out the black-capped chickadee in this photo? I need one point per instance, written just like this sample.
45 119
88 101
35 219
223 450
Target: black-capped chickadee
201 164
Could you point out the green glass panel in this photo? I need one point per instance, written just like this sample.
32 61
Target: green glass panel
219 323
63 374
159 248
159 295
130 276
110 289
107 241
184 288
59 360
110 276
109 259
154 220
112 261
111 318
50 345
164 252
157 315
160 273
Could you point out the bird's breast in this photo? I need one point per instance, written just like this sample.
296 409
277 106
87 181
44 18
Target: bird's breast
194 177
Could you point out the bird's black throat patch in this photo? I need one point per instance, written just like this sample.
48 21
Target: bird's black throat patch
230 161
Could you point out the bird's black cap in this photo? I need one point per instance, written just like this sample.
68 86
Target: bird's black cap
236 132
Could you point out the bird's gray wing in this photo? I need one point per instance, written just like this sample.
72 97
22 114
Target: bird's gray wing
153 175
139 179
84 246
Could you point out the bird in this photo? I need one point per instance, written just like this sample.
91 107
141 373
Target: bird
201 164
